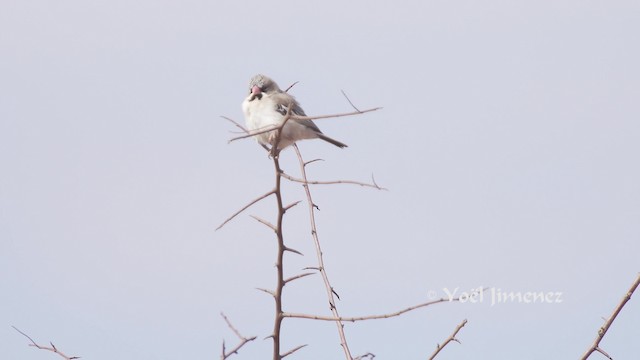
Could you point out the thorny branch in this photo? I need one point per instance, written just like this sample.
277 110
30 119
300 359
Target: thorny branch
323 272
280 283
243 340
603 330
449 339
52 348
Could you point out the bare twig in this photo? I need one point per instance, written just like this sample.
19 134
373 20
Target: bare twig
323 272
236 124
53 348
302 181
243 340
245 208
603 330
253 133
449 339
368 317
243 129
298 117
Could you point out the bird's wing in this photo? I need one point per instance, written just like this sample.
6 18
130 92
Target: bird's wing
284 100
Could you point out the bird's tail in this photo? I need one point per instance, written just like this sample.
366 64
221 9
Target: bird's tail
330 140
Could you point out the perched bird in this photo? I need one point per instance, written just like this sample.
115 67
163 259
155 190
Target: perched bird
266 107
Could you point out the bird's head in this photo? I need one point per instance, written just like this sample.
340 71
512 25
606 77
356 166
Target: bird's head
260 84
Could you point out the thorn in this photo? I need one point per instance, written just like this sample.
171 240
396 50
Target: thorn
267 291
296 277
286 208
335 293
290 86
312 161
349 100
293 251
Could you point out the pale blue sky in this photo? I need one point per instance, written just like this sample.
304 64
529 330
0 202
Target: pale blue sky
509 140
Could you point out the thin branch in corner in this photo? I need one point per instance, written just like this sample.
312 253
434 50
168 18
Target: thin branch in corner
449 339
243 340
53 348
603 330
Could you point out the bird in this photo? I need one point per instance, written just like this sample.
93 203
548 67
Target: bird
267 105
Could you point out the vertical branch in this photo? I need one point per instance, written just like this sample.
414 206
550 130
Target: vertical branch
603 330
279 262
321 268
277 325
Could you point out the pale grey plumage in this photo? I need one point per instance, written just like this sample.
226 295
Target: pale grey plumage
266 106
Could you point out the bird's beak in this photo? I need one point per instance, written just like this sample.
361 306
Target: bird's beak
256 92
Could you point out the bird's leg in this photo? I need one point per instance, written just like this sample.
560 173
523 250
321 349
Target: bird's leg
274 152
273 137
